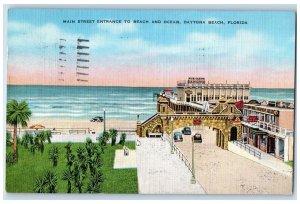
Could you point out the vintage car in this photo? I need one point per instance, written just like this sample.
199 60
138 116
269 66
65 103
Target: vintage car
186 131
178 137
197 138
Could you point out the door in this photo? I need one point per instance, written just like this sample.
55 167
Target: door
233 134
188 98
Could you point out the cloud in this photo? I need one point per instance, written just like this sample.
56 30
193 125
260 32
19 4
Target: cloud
24 35
243 43
198 53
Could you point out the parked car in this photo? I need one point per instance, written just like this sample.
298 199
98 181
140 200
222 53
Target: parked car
198 138
186 131
178 137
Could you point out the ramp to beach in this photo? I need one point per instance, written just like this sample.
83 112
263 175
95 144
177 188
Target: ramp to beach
160 172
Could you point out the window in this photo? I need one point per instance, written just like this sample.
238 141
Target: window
263 140
193 97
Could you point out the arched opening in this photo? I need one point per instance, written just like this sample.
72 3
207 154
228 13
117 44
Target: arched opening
157 129
233 134
188 97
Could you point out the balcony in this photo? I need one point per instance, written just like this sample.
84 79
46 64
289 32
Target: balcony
268 127
174 100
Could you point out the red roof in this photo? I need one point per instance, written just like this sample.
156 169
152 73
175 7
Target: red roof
168 90
239 105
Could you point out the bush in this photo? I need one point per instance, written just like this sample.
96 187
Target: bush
113 133
9 141
53 155
103 138
27 140
46 184
9 159
122 139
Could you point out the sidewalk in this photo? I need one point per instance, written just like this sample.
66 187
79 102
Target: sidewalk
271 162
160 172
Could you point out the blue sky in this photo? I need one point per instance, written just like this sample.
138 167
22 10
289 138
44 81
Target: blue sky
162 52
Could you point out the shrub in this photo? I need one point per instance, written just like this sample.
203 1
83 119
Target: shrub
103 138
46 184
27 140
122 139
9 141
10 159
113 133
53 155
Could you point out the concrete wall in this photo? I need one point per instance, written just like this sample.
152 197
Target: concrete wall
180 94
286 119
291 148
235 149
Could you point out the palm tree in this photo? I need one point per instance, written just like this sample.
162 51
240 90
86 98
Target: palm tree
122 139
32 148
93 187
80 152
68 176
88 146
51 180
47 135
104 138
40 185
17 114
53 155
68 147
27 139
113 133
39 141
77 177
94 184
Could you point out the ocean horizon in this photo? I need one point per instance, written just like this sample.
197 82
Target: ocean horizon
120 103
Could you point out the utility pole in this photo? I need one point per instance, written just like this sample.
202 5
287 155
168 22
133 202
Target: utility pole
172 137
104 128
193 179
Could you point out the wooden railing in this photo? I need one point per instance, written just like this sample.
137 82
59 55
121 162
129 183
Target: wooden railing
247 148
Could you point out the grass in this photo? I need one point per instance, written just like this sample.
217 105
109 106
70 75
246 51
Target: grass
290 163
20 178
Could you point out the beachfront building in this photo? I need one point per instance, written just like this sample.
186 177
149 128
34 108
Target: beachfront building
171 114
196 90
269 127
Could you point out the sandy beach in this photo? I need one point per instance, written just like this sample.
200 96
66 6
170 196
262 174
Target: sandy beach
223 172
64 125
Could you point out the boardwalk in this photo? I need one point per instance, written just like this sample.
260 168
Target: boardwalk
160 172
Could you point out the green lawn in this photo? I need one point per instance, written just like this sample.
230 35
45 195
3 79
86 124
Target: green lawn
290 163
20 178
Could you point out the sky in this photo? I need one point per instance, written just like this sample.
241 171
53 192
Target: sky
261 52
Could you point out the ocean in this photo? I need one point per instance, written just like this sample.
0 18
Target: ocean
121 103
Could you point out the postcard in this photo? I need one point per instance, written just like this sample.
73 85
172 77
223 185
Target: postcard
117 101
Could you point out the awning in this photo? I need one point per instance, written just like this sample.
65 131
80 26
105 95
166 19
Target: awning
257 132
